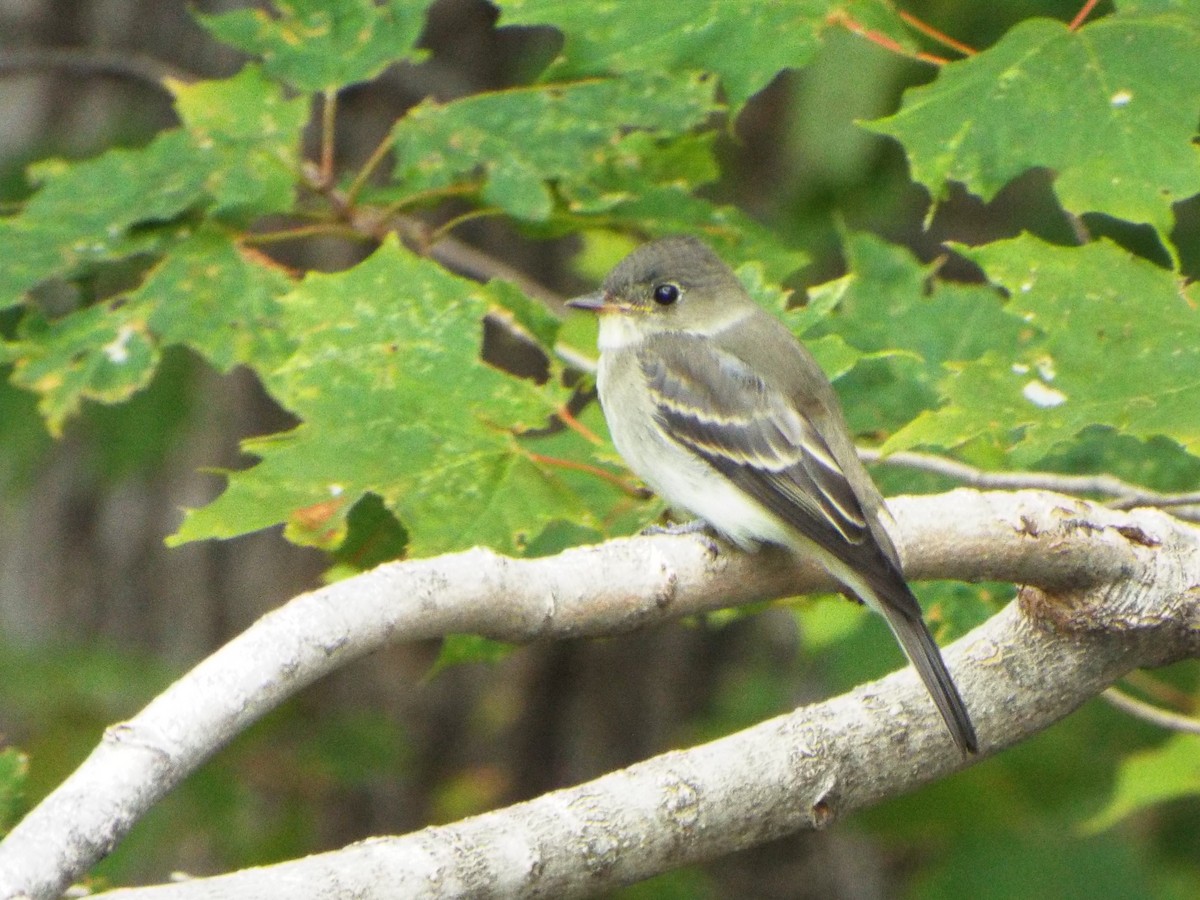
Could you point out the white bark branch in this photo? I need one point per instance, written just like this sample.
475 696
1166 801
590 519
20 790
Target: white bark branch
1124 494
1148 712
1116 590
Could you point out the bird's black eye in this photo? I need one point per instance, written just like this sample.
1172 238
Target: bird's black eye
666 294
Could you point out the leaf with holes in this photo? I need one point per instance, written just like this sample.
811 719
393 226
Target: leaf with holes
1108 339
395 401
315 45
1110 108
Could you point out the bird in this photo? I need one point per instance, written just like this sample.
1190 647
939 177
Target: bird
721 411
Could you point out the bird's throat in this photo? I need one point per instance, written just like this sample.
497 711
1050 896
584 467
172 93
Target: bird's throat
617 331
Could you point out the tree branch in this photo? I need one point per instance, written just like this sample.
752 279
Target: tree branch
1116 590
1123 494
89 62
799 771
1148 712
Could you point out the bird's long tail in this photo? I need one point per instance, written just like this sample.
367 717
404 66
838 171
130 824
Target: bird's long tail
903 615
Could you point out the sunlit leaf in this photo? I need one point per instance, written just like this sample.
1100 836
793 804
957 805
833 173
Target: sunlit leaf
315 45
1110 108
1110 339
1167 772
395 401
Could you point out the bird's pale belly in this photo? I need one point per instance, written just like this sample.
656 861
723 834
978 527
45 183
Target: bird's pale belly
685 481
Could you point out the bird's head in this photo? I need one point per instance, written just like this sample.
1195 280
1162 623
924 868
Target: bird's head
670 284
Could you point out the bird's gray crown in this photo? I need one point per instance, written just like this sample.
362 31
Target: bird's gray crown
683 260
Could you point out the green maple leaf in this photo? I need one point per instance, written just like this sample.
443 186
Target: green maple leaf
236 156
317 45
249 135
894 311
1108 339
208 294
745 42
1110 108
103 353
237 152
396 402
519 140
84 212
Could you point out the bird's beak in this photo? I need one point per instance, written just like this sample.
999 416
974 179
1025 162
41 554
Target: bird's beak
597 301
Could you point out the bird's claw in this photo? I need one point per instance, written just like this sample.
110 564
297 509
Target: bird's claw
697 527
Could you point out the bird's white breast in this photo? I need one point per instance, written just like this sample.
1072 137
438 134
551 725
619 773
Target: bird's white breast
684 480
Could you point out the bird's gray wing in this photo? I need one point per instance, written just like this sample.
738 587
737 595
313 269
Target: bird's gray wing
714 404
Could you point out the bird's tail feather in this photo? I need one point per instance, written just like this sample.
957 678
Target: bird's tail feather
904 618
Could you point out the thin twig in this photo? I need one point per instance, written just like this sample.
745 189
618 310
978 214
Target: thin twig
845 20
369 167
576 360
475 263
319 229
1124 494
91 62
1148 712
1149 498
568 419
417 198
1081 16
446 227
1160 692
940 36
328 133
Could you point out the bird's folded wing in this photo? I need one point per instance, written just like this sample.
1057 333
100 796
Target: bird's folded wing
712 403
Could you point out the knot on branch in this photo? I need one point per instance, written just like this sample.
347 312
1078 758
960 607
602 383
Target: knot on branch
1112 571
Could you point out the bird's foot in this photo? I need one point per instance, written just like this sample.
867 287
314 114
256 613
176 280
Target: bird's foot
697 527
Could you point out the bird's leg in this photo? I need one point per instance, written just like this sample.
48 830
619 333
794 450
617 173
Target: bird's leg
695 526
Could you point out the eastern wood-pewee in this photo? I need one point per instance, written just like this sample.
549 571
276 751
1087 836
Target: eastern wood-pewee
715 404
